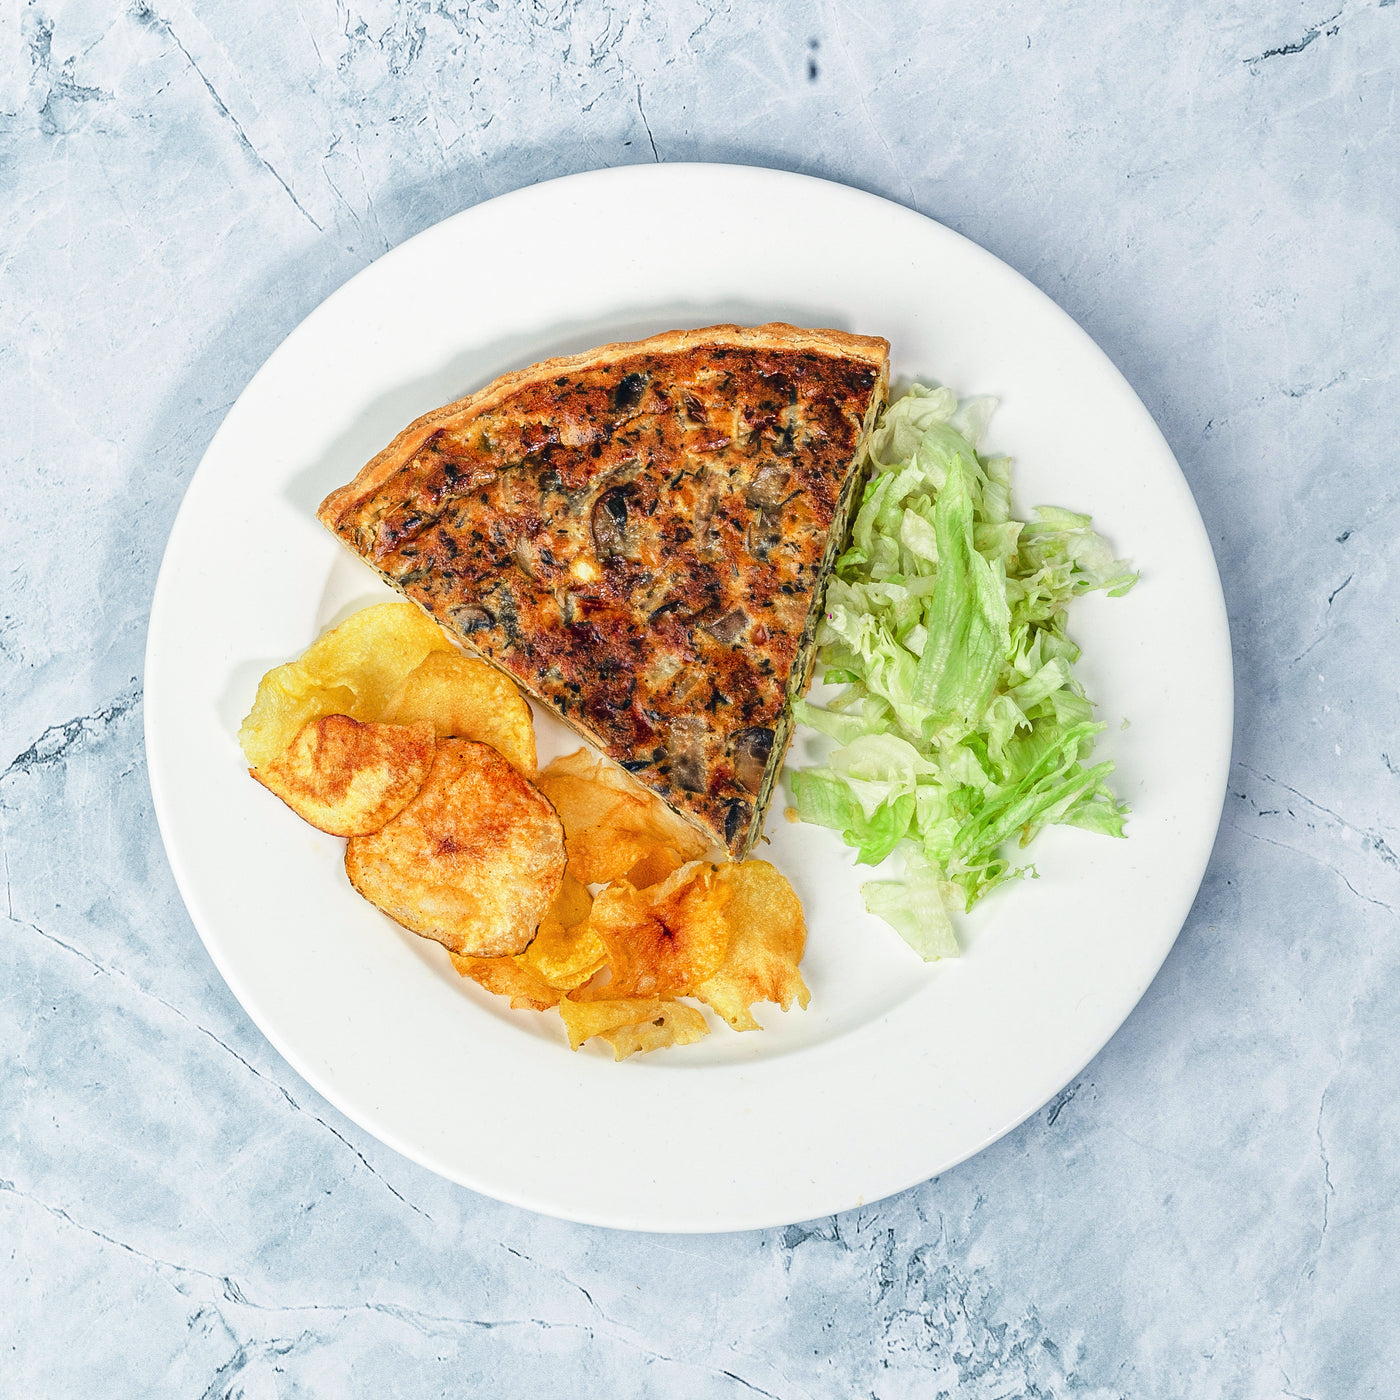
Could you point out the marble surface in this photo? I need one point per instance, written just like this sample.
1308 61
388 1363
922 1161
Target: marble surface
1210 1210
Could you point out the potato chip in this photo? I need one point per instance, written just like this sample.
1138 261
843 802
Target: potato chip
631 1024
658 863
372 652
662 940
571 906
767 937
507 977
467 699
349 778
565 957
565 951
354 669
677 1024
475 860
562 955
610 820
286 702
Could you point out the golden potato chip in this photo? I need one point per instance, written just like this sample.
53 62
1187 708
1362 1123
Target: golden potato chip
372 652
286 702
677 1024
630 1024
507 977
475 860
354 669
349 778
565 951
467 699
565 957
585 1019
611 821
766 940
662 940
654 867
571 905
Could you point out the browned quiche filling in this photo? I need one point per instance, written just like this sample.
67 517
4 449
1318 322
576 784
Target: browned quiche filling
640 535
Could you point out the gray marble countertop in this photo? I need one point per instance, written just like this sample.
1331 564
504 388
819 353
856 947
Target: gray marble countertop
1210 1209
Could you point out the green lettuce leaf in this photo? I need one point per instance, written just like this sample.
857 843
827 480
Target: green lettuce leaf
962 727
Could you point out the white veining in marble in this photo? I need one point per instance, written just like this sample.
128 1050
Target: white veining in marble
1210 1210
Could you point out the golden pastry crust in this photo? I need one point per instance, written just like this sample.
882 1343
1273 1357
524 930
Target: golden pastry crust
640 535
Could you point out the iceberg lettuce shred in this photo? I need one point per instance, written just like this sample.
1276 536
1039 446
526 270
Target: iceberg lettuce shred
962 724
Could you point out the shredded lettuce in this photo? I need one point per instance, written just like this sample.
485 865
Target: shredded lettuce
962 724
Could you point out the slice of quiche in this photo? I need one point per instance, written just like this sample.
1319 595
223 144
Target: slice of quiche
640 535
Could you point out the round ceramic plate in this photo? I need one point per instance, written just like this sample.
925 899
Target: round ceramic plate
898 1069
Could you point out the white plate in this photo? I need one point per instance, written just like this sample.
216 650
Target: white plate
898 1070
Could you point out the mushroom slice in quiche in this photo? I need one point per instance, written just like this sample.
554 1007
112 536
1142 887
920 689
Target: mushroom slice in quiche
640 535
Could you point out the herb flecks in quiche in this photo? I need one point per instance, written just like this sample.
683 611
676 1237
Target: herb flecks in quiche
640 535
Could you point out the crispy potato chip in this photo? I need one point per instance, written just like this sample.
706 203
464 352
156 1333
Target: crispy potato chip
507 977
677 1024
372 652
565 957
658 863
467 699
566 952
663 940
571 906
354 669
475 860
287 701
767 937
349 778
632 1023
611 821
